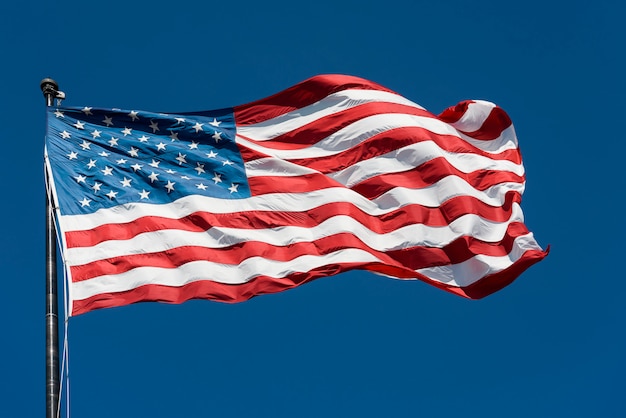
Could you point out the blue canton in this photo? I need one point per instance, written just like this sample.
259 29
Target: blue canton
102 158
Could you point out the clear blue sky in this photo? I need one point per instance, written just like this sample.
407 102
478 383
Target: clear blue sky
552 344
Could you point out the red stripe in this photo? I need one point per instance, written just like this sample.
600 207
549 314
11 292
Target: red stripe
325 126
265 285
392 140
492 127
486 285
459 250
494 282
455 113
201 221
430 173
248 154
298 96
311 182
207 290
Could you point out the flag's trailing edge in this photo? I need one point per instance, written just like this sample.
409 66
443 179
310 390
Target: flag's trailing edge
333 174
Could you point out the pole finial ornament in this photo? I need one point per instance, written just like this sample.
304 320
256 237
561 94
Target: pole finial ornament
50 90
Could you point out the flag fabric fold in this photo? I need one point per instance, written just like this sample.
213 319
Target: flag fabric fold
333 174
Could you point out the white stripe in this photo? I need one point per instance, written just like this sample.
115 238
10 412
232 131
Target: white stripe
432 196
221 237
217 272
409 157
360 131
476 114
506 141
477 267
275 167
329 105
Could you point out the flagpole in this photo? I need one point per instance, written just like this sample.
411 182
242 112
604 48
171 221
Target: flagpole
50 91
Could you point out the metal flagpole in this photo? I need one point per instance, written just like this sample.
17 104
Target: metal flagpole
50 91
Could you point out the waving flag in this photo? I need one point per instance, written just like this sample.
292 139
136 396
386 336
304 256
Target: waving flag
333 174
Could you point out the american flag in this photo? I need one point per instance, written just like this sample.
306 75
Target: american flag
333 174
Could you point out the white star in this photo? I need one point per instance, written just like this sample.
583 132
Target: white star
233 187
217 136
122 161
85 202
227 162
170 171
143 138
133 115
170 186
201 186
174 136
127 131
59 114
72 155
185 177
144 194
108 121
200 168
80 178
181 158
125 182
108 171
211 154
96 187
136 167
112 194
65 135
154 163
133 152
217 178
96 133
215 123
161 146
91 163
113 141
180 120
104 154
85 145
79 125
153 177
87 110
193 145
198 127
154 125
